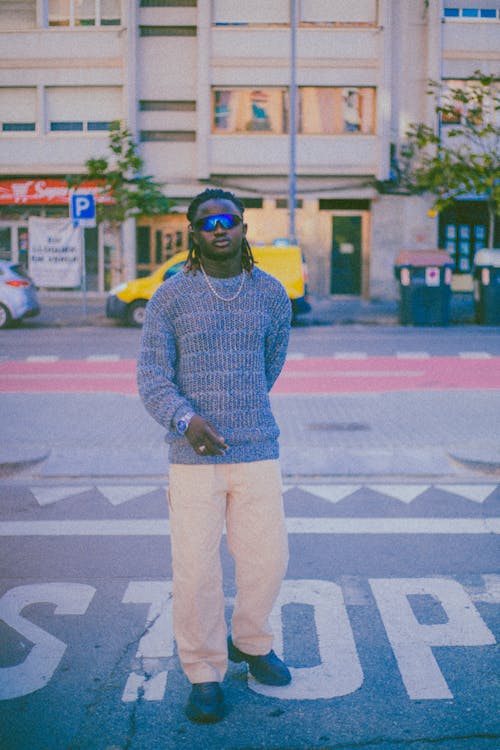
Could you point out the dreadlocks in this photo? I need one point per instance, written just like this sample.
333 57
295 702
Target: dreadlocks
193 259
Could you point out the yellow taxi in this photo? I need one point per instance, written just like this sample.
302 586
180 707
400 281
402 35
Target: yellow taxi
127 302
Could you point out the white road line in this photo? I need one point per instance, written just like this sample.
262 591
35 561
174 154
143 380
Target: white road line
474 355
413 355
43 358
103 358
350 355
354 526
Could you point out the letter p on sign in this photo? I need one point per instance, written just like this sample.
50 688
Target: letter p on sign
82 209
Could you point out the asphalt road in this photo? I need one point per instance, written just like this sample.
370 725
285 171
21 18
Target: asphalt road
388 615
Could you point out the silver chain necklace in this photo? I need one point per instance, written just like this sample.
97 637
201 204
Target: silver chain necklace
216 293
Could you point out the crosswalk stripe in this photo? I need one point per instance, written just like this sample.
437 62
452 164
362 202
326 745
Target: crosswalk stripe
474 355
43 358
103 358
350 355
412 355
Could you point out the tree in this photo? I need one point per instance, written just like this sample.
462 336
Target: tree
120 175
462 155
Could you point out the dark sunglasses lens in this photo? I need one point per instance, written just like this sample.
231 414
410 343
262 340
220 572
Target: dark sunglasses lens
227 221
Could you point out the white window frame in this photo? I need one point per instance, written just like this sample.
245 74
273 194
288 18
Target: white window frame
72 25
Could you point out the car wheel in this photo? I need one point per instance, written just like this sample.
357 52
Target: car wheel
136 313
5 317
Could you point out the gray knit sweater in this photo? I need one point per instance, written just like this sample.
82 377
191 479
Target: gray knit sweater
218 358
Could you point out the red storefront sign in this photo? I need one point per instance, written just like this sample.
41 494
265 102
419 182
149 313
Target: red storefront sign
51 191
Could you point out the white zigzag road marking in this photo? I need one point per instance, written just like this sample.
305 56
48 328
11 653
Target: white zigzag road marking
406 493
475 492
51 495
117 495
333 493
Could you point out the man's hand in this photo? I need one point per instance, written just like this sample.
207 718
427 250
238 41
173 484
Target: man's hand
204 438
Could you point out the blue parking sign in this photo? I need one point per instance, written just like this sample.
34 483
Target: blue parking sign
82 209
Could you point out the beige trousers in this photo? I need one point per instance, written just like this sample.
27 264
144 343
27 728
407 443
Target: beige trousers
248 497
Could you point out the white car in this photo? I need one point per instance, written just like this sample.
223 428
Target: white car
18 297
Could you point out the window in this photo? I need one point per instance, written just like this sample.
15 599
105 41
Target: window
168 3
339 12
158 105
84 13
477 13
179 136
17 109
167 30
236 13
17 16
82 108
336 111
249 111
455 115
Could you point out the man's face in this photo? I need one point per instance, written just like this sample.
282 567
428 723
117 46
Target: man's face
218 243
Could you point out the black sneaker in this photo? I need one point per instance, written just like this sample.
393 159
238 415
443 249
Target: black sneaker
206 703
267 669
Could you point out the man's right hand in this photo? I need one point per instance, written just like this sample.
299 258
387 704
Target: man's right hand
204 438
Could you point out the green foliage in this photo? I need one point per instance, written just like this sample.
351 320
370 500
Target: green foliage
463 156
121 175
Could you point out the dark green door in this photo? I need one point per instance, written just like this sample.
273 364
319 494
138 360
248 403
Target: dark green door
346 255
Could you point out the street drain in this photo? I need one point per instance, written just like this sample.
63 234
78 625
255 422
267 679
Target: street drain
339 426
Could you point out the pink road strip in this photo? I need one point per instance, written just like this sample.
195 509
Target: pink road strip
315 375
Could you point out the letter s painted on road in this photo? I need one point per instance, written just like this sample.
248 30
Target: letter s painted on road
47 651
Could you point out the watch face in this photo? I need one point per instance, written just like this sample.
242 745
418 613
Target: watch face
182 426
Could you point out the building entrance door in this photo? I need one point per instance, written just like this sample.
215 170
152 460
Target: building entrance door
346 265
14 242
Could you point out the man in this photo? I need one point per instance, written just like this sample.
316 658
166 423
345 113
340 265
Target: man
214 342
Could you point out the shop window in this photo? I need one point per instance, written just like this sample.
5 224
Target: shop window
84 13
249 111
283 203
143 241
336 111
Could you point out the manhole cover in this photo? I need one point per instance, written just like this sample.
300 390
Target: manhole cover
339 426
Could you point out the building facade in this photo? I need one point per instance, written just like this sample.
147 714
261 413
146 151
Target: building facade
208 88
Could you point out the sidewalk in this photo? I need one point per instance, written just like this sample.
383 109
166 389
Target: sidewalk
397 435
67 309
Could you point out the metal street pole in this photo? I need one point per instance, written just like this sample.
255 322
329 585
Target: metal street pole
292 185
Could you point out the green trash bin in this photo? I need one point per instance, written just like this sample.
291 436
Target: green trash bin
424 287
487 287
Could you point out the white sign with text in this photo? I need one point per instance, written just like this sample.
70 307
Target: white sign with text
55 252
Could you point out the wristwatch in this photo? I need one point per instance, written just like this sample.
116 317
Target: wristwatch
183 423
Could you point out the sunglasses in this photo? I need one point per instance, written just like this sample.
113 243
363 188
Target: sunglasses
208 223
